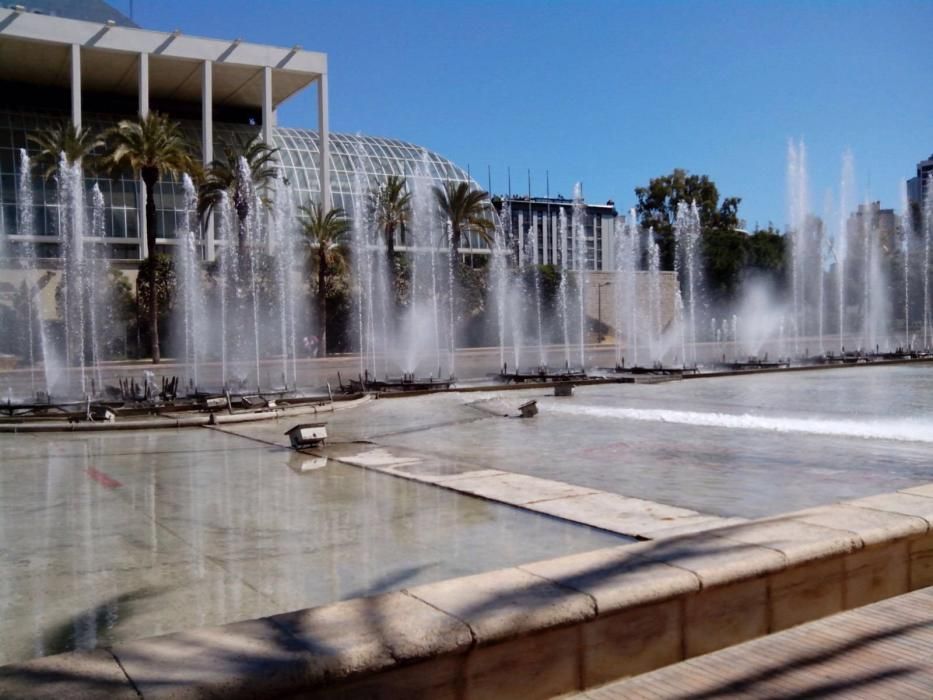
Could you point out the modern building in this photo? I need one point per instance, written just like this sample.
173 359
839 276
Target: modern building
871 219
540 218
99 68
918 186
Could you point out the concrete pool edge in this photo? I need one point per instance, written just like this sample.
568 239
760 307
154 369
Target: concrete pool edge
169 420
534 630
637 518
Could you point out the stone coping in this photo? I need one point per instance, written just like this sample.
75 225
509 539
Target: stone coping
637 518
169 420
534 630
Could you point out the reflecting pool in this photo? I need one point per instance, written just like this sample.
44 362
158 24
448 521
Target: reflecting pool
734 446
110 537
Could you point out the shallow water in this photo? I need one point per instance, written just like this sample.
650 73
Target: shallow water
110 537
748 446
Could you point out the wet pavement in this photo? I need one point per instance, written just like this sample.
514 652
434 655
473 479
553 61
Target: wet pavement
109 537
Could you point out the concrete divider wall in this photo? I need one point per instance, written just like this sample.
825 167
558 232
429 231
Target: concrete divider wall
536 630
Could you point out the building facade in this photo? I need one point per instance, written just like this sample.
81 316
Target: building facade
55 68
536 229
918 186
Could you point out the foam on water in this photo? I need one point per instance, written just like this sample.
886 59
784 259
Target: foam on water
911 430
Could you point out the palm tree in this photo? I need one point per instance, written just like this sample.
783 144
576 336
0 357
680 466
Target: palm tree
465 209
325 234
65 139
226 175
150 146
391 207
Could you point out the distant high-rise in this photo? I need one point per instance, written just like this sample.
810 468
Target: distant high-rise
917 186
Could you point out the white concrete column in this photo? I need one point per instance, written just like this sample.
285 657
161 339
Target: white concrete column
140 185
609 239
324 142
143 84
78 240
76 85
539 247
267 119
521 237
555 239
207 142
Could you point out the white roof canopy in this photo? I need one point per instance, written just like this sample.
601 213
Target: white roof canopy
36 49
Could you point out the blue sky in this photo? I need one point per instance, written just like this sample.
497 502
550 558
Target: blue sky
614 93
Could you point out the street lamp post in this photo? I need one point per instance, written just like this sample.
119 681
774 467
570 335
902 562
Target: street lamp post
599 311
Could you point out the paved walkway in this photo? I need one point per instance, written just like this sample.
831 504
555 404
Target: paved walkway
884 650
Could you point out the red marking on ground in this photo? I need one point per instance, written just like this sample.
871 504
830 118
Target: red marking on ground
102 478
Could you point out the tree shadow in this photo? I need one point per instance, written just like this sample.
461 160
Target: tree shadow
825 682
336 644
91 628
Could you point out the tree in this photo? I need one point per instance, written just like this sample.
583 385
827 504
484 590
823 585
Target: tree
465 208
724 252
657 207
150 147
25 314
109 293
155 285
325 234
225 174
64 138
391 208
767 254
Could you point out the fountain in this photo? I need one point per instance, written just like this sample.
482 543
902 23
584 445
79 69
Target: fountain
856 285
37 342
581 264
689 267
191 287
626 301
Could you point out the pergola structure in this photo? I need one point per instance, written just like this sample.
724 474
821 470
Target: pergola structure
81 57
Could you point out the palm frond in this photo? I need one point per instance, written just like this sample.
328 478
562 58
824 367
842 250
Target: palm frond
466 209
223 174
64 140
151 146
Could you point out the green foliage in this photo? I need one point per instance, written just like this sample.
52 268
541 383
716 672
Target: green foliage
25 307
149 147
550 285
325 233
77 145
657 208
724 256
465 208
156 272
767 255
472 283
114 306
223 175
401 279
390 207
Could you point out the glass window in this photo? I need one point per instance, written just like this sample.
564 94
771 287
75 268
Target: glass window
118 227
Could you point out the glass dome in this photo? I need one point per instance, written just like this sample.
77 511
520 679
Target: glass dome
375 158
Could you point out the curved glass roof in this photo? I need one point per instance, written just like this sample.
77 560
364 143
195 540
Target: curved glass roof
375 158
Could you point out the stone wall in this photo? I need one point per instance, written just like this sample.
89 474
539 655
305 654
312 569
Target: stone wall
537 630
600 300
11 278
